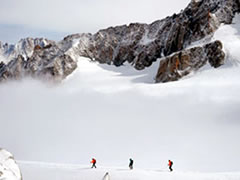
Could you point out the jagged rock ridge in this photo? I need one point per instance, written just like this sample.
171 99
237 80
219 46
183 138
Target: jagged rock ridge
24 47
139 44
45 62
142 44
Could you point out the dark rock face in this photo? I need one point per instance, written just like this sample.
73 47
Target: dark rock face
174 67
215 54
49 62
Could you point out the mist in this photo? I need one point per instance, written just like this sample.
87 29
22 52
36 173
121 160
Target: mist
111 116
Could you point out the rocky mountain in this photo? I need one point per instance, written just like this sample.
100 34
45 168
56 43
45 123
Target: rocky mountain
138 44
9 169
142 44
43 62
24 47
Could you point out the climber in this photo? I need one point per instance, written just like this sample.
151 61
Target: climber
170 163
94 163
131 163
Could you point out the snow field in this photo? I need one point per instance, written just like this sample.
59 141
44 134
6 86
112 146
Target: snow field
116 113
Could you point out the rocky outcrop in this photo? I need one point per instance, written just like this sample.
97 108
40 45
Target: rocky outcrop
45 62
9 169
180 64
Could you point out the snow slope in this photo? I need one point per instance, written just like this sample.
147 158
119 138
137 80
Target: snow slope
116 113
74 172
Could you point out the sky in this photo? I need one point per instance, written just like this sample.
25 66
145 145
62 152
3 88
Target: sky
56 18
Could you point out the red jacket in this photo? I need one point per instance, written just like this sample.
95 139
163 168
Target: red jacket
93 161
170 163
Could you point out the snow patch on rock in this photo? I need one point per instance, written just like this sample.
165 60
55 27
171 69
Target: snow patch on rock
229 35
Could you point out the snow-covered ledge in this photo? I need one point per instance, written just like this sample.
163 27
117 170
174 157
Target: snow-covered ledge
9 169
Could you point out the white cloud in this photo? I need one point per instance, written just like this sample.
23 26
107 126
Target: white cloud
84 16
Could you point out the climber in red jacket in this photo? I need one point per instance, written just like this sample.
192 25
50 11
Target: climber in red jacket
170 163
94 163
